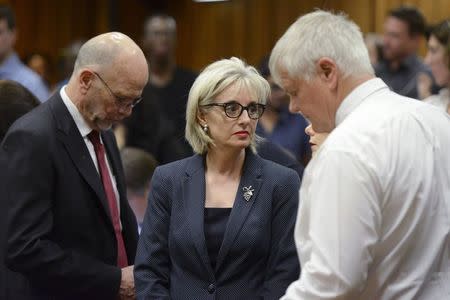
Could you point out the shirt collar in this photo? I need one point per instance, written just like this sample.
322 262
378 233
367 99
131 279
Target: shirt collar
357 96
81 123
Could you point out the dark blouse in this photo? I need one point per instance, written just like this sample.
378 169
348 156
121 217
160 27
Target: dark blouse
215 224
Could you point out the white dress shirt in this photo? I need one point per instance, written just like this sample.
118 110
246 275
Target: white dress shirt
374 216
84 129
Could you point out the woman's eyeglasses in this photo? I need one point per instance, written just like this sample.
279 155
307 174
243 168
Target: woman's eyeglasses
234 109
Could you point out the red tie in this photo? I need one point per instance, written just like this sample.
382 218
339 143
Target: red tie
94 137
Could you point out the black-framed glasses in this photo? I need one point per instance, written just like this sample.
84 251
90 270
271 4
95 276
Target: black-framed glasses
234 109
121 101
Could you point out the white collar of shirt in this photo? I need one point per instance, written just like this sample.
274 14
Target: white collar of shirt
357 96
81 123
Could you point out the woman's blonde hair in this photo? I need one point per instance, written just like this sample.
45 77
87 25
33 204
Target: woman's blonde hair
212 81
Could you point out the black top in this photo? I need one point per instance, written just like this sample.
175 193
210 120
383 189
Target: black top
157 123
216 220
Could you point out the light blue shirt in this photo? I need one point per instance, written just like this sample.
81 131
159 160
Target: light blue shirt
13 69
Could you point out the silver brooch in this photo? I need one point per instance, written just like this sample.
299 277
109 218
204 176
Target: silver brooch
248 192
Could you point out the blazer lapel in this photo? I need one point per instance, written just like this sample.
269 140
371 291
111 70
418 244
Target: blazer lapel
251 181
194 203
74 144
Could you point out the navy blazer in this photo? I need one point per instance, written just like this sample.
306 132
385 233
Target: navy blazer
257 259
59 233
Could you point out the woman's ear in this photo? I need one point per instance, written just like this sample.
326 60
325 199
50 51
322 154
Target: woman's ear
201 118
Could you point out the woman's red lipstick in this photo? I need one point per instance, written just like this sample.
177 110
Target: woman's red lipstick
243 132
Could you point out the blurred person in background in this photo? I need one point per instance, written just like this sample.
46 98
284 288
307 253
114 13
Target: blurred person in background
438 59
15 101
138 167
404 28
41 64
316 139
158 123
10 65
280 126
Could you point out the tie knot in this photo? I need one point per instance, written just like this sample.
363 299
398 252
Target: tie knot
94 137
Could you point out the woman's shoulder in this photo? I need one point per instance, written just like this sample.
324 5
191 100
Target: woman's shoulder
180 167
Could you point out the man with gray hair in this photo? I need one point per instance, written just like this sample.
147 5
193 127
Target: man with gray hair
70 230
374 220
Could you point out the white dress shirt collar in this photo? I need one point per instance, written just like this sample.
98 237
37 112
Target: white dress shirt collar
357 96
81 123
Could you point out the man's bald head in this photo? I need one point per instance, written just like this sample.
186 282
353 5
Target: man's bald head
103 50
109 75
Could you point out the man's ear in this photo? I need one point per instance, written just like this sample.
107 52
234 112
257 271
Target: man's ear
85 79
327 71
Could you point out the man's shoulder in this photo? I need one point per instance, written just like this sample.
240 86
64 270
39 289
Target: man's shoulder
35 120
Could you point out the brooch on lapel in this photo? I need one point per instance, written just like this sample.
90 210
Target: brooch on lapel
248 192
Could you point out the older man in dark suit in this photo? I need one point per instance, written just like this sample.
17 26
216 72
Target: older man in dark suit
70 230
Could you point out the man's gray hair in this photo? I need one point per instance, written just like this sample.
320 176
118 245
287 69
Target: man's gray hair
316 35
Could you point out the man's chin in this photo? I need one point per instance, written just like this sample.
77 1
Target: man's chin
103 125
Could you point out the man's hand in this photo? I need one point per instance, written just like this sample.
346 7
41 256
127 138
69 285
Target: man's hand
126 290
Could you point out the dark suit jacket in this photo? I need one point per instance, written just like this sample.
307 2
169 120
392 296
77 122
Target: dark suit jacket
59 233
257 259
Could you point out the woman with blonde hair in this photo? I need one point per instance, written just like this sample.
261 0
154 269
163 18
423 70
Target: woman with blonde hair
219 225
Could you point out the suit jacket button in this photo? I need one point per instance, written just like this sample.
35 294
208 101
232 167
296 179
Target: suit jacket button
211 288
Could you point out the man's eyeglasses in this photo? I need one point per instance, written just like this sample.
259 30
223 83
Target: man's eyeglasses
234 109
121 101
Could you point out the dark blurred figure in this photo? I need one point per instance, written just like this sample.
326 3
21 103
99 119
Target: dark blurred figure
15 101
280 126
404 28
138 166
157 124
10 65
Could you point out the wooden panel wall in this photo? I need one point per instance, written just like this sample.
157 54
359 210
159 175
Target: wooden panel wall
206 31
